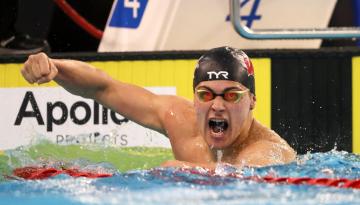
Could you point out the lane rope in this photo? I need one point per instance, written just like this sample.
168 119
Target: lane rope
34 173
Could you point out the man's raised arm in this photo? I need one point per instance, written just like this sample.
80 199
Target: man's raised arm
80 78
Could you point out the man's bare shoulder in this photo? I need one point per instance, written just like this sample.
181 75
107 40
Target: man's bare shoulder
265 153
267 148
263 133
177 114
179 122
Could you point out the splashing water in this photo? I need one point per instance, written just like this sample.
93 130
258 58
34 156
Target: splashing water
137 184
176 186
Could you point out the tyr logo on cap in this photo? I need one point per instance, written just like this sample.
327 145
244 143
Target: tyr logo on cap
224 74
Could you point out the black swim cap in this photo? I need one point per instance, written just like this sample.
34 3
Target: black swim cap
225 63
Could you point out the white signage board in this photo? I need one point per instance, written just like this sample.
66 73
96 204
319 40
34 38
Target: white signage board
144 25
51 113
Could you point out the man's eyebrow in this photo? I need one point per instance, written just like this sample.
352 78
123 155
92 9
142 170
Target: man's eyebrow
232 88
207 88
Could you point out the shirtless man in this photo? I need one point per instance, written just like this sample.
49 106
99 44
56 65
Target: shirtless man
219 119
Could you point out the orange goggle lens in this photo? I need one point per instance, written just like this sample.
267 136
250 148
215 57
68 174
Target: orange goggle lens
233 96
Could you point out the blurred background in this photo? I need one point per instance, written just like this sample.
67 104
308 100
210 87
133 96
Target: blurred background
45 20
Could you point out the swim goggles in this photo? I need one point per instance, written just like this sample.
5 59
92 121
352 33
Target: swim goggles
206 95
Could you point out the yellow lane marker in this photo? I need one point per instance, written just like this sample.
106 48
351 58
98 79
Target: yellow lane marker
356 105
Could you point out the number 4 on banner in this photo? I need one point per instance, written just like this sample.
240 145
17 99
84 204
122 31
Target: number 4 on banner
128 13
134 5
252 15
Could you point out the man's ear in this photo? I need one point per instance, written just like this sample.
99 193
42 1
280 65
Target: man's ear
253 101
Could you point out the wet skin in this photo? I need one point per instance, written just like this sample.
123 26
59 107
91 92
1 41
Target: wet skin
196 130
237 115
244 141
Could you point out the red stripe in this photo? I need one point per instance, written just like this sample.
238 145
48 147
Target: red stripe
43 173
78 19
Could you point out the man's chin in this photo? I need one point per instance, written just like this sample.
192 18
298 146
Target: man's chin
217 143
217 147
217 140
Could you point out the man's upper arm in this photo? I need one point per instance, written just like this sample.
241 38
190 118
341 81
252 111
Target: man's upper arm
133 102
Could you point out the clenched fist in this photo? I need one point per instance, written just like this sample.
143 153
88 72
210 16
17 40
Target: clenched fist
39 68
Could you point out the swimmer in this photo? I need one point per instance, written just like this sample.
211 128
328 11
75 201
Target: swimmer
217 125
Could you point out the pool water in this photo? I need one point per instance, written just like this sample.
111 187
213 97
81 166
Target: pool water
142 182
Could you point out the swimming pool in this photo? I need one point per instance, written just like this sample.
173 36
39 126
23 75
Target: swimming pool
136 181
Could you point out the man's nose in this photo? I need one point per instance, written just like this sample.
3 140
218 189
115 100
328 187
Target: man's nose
218 104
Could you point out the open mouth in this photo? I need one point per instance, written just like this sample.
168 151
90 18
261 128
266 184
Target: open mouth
218 125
